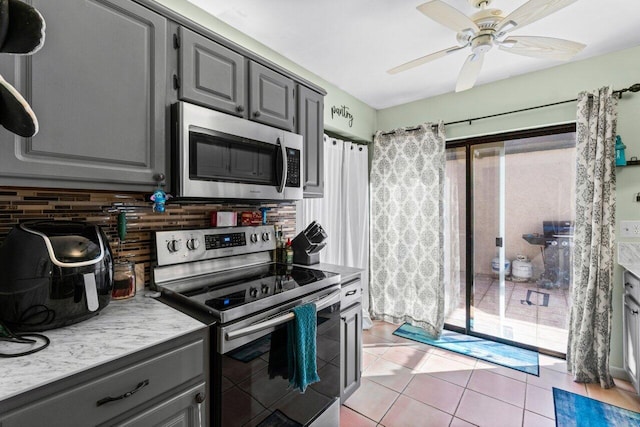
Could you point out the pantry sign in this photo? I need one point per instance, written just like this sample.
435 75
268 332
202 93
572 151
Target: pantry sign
343 112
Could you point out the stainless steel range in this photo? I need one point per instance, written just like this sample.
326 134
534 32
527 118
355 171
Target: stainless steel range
227 275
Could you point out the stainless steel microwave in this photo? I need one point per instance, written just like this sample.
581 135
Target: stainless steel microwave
225 157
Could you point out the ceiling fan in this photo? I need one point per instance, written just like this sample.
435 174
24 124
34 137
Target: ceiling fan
488 28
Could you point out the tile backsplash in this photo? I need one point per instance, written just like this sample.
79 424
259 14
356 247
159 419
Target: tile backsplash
102 208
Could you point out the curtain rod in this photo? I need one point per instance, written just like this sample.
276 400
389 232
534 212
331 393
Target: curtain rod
633 88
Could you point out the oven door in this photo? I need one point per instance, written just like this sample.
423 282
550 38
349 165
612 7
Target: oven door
222 156
252 389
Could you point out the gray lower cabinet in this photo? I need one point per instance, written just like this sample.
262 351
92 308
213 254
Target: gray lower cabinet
310 120
182 410
163 386
98 87
271 97
210 74
350 338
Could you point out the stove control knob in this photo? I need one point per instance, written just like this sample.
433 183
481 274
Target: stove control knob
174 245
265 288
254 238
193 244
266 236
253 292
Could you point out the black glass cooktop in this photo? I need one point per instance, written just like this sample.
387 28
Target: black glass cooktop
251 284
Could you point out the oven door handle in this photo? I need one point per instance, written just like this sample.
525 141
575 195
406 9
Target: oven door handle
321 304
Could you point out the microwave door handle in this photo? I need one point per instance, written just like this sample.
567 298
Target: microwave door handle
283 155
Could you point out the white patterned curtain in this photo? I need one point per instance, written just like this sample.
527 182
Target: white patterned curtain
590 324
407 227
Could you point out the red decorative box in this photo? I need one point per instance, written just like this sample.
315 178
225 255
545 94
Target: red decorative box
250 218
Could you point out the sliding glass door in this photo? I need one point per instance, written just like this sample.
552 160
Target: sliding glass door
515 274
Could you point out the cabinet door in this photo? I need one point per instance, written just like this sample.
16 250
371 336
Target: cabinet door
311 127
186 409
271 97
98 87
211 75
631 341
351 341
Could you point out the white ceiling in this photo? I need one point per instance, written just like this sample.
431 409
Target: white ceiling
352 43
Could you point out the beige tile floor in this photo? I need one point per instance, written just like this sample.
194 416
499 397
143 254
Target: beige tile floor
541 326
409 384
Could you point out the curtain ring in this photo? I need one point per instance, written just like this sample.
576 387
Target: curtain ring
360 148
334 142
352 147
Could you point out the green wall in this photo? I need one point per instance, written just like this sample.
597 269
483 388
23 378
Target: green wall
364 117
619 69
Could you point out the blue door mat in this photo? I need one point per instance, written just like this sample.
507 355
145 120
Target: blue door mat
573 410
509 356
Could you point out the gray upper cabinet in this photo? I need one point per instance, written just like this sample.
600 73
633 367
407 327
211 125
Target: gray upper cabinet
271 98
311 126
210 74
98 88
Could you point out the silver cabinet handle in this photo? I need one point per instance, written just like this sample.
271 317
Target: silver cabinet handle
108 399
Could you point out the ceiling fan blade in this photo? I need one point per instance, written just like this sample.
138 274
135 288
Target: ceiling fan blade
530 12
424 59
542 47
469 72
448 16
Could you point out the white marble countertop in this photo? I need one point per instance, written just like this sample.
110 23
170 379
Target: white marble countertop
122 328
629 256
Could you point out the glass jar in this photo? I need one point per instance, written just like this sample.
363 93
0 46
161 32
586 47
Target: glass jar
124 280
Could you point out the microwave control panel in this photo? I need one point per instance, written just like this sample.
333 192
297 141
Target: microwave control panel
293 167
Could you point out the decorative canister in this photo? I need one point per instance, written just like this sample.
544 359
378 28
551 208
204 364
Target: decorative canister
495 266
124 280
522 269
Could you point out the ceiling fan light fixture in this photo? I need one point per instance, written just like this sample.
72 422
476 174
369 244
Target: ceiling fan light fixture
482 43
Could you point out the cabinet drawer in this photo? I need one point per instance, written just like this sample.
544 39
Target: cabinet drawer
151 378
632 285
351 293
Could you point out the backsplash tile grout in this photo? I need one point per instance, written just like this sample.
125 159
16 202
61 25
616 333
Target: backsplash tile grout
102 208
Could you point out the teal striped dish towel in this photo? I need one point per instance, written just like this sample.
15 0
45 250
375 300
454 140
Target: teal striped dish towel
301 347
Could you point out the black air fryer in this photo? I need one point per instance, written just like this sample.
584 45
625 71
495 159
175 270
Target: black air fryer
53 274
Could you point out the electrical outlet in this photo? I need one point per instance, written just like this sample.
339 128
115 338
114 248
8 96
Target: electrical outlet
630 229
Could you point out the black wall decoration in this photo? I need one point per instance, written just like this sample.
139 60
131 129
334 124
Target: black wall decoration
342 111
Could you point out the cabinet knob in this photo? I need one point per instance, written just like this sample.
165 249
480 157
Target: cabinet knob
200 397
256 114
159 177
239 108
